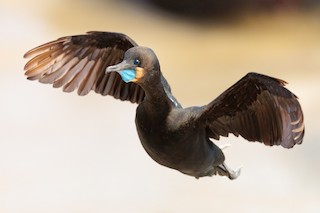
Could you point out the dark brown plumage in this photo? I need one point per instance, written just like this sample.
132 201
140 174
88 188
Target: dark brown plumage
76 62
257 107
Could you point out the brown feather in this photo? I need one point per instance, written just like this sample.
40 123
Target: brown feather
53 76
79 62
42 48
71 73
78 78
88 83
258 108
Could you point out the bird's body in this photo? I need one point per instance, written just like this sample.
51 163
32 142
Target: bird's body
174 144
257 107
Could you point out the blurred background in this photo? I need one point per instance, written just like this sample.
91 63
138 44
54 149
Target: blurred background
64 153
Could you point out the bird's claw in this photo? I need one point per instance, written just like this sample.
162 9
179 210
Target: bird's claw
224 170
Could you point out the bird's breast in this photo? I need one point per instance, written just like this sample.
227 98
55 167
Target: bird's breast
154 136
184 148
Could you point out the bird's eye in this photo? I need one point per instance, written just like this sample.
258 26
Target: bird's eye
136 62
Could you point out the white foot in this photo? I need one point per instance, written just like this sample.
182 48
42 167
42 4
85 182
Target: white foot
224 170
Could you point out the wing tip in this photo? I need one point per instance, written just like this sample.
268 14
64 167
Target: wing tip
255 75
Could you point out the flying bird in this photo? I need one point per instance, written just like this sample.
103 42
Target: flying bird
257 107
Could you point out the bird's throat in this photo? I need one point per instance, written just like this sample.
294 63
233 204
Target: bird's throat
127 75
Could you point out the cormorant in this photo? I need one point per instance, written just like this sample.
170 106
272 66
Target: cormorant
257 107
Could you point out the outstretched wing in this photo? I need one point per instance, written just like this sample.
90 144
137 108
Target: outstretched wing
258 108
79 62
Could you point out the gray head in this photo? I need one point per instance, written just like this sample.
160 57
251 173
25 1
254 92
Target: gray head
138 65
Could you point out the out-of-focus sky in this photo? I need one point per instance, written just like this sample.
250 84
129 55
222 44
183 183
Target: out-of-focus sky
64 153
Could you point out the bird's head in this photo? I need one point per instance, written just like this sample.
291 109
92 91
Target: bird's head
139 65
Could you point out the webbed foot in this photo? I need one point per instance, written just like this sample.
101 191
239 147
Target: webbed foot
224 170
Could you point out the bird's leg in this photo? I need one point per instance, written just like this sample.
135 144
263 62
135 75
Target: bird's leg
224 170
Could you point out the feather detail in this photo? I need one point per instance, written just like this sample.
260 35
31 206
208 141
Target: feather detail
79 62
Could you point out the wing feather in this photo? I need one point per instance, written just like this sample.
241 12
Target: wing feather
259 108
79 62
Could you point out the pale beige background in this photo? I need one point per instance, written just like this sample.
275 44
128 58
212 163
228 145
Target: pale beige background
64 153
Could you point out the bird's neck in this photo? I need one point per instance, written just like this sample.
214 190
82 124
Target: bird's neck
158 97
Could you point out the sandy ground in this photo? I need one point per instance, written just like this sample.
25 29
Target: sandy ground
64 153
